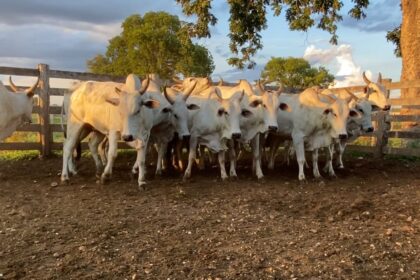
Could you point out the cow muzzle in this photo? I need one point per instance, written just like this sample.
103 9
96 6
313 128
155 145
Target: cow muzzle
128 138
272 128
186 138
343 136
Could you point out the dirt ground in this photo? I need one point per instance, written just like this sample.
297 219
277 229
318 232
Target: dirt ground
362 225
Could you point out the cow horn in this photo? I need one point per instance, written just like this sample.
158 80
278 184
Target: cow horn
260 87
218 94
31 91
367 81
188 93
353 96
170 100
380 78
176 80
12 85
220 81
280 89
144 88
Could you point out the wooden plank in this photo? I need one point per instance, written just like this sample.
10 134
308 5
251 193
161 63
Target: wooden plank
359 148
55 110
405 118
401 84
57 127
30 128
58 91
59 146
404 101
84 76
4 70
44 116
404 134
20 146
402 151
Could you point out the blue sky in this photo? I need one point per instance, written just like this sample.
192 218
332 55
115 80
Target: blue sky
65 34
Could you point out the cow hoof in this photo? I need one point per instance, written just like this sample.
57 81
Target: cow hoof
341 167
65 181
225 178
158 174
142 186
104 179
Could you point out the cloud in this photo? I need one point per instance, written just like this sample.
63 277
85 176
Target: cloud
381 16
339 58
233 75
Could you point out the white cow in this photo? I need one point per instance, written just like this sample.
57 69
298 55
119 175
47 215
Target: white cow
15 107
114 111
313 123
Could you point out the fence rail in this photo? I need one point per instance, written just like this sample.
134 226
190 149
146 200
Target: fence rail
380 138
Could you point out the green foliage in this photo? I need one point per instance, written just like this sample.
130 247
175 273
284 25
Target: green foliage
296 73
394 37
155 43
248 19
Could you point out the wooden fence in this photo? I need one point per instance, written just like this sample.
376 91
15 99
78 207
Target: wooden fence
379 144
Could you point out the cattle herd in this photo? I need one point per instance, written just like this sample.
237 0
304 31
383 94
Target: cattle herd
204 119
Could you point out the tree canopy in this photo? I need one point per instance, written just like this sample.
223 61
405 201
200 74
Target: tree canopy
248 19
155 43
296 73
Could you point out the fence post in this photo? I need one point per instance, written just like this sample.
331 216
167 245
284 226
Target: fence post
384 126
44 104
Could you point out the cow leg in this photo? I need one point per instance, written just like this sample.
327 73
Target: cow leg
329 165
102 150
73 132
191 157
341 146
274 146
315 168
141 162
232 158
256 156
221 158
112 154
300 155
161 154
178 162
201 160
94 142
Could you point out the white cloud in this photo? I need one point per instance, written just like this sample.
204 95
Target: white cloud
340 59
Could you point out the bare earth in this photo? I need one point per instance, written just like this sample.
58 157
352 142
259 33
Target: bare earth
363 225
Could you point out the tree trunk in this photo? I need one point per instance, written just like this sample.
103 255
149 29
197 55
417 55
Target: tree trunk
410 49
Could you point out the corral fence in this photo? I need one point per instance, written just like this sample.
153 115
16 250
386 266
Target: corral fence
379 143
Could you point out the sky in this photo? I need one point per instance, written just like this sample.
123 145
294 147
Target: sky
65 34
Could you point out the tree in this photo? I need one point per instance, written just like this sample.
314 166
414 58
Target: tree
296 73
155 43
394 36
248 19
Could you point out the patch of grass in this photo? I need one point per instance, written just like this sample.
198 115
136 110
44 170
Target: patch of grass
18 155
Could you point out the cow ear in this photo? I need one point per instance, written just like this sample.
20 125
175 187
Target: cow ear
167 110
327 111
151 103
255 103
193 107
353 113
246 113
284 107
113 101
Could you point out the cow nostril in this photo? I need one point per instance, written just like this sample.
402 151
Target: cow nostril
370 129
272 128
128 138
342 136
387 107
236 135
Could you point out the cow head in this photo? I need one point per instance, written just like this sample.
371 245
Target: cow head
179 110
25 99
270 102
360 113
231 110
133 106
376 93
336 113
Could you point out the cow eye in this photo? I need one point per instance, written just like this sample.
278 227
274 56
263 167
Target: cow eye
361 111
220 112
